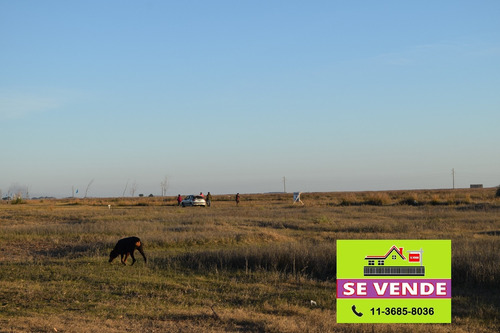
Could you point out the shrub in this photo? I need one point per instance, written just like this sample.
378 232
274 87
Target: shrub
378 199
17 201
348 200
435 200
410 202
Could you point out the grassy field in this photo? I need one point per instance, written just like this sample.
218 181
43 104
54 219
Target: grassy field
251 268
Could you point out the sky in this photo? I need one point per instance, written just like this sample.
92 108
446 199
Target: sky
233 96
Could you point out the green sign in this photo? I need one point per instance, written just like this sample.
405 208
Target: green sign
393 281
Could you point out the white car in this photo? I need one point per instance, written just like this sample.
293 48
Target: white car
193 200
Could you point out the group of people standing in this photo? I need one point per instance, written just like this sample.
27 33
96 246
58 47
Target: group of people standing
208 199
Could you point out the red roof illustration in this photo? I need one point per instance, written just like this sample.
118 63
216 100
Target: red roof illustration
393 248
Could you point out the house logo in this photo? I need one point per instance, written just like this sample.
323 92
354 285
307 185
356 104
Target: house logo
395 263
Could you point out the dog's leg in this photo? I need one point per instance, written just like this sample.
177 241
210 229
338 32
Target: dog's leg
133 258
126 257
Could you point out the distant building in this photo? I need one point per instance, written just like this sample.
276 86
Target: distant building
476 185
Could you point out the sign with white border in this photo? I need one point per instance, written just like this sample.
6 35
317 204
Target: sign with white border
393 281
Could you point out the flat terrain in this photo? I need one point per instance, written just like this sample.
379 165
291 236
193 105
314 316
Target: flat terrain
250 268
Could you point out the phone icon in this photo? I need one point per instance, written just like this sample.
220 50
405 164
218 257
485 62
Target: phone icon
359 314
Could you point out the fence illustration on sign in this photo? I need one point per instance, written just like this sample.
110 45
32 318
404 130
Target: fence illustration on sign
395 263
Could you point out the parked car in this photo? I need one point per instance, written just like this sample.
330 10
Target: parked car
193 200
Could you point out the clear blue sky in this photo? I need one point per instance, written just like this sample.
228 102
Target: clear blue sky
231 96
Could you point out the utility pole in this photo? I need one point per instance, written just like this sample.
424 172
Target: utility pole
453 176
284 184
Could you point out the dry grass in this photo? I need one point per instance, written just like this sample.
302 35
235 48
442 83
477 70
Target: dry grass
251 268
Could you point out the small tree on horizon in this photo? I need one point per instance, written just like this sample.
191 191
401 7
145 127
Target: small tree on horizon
18 191
164 186
88 186
133 188
125 189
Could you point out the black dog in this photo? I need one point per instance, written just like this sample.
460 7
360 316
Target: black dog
126 247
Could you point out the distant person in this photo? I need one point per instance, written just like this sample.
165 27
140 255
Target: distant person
237 199
179 200
209 199
201 195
